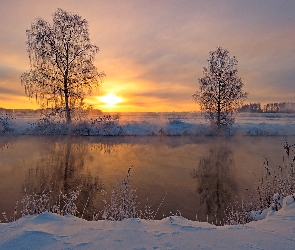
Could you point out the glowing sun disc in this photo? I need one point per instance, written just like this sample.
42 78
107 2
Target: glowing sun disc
110 99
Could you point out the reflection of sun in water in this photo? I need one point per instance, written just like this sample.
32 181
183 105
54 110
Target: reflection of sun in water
110 100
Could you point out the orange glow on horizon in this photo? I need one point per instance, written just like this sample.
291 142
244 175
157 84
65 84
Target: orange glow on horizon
19 103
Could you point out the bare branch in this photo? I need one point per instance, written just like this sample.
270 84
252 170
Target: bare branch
61 62
220 91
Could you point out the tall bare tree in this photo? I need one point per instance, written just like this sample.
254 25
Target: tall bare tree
221 89
61 57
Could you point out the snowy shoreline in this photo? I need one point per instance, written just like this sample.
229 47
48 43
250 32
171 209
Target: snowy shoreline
154 124
52 231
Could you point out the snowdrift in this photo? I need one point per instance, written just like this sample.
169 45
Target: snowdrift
52 231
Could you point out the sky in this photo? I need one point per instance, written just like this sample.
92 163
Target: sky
153 51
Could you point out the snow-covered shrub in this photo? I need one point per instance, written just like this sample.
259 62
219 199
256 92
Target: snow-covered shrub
123 203
176 119
49 125
54 125
5 124
35 203
104 125
274 206
40 203
273 186
276 182
67 206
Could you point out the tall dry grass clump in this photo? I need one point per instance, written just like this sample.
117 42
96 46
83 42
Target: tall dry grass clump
123 204
274 185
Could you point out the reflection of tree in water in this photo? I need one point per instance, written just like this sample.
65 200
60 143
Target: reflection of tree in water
216 184
106 148
61 168
5 142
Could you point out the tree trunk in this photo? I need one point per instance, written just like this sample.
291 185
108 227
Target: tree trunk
66 91
218 106
68 113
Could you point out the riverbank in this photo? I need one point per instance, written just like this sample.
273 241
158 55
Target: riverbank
51 231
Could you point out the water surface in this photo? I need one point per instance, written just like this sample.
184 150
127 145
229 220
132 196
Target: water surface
198 176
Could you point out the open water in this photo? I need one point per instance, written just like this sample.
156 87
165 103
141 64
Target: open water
195 176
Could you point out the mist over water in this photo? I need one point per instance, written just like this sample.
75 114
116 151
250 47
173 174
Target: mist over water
198 176
151 123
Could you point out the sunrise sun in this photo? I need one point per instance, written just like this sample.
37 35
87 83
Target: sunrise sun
110 100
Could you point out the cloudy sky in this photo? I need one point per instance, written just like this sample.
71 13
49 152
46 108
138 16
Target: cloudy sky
153 51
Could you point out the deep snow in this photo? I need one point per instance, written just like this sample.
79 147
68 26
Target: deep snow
51 231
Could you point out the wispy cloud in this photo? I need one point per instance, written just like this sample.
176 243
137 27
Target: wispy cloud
153 52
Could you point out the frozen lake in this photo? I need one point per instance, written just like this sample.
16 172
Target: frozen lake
163 166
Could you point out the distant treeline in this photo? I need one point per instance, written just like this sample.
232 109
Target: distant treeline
19 111
273 107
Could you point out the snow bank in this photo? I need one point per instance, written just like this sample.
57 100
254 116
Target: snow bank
261 129
51 231
159 124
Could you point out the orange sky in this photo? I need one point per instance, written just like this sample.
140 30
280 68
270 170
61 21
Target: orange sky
153 52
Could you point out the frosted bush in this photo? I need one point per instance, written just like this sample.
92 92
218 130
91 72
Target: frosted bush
69 206
48 126
272 187
5 124
39 203
35 203
123 203
105 125
176 119
54 125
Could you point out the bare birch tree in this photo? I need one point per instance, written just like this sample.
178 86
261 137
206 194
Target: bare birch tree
221 89
61 57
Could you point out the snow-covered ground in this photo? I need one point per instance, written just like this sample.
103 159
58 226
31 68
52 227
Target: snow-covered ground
52 231
170 123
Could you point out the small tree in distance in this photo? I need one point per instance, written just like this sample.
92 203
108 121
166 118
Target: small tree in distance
221 90
61 63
